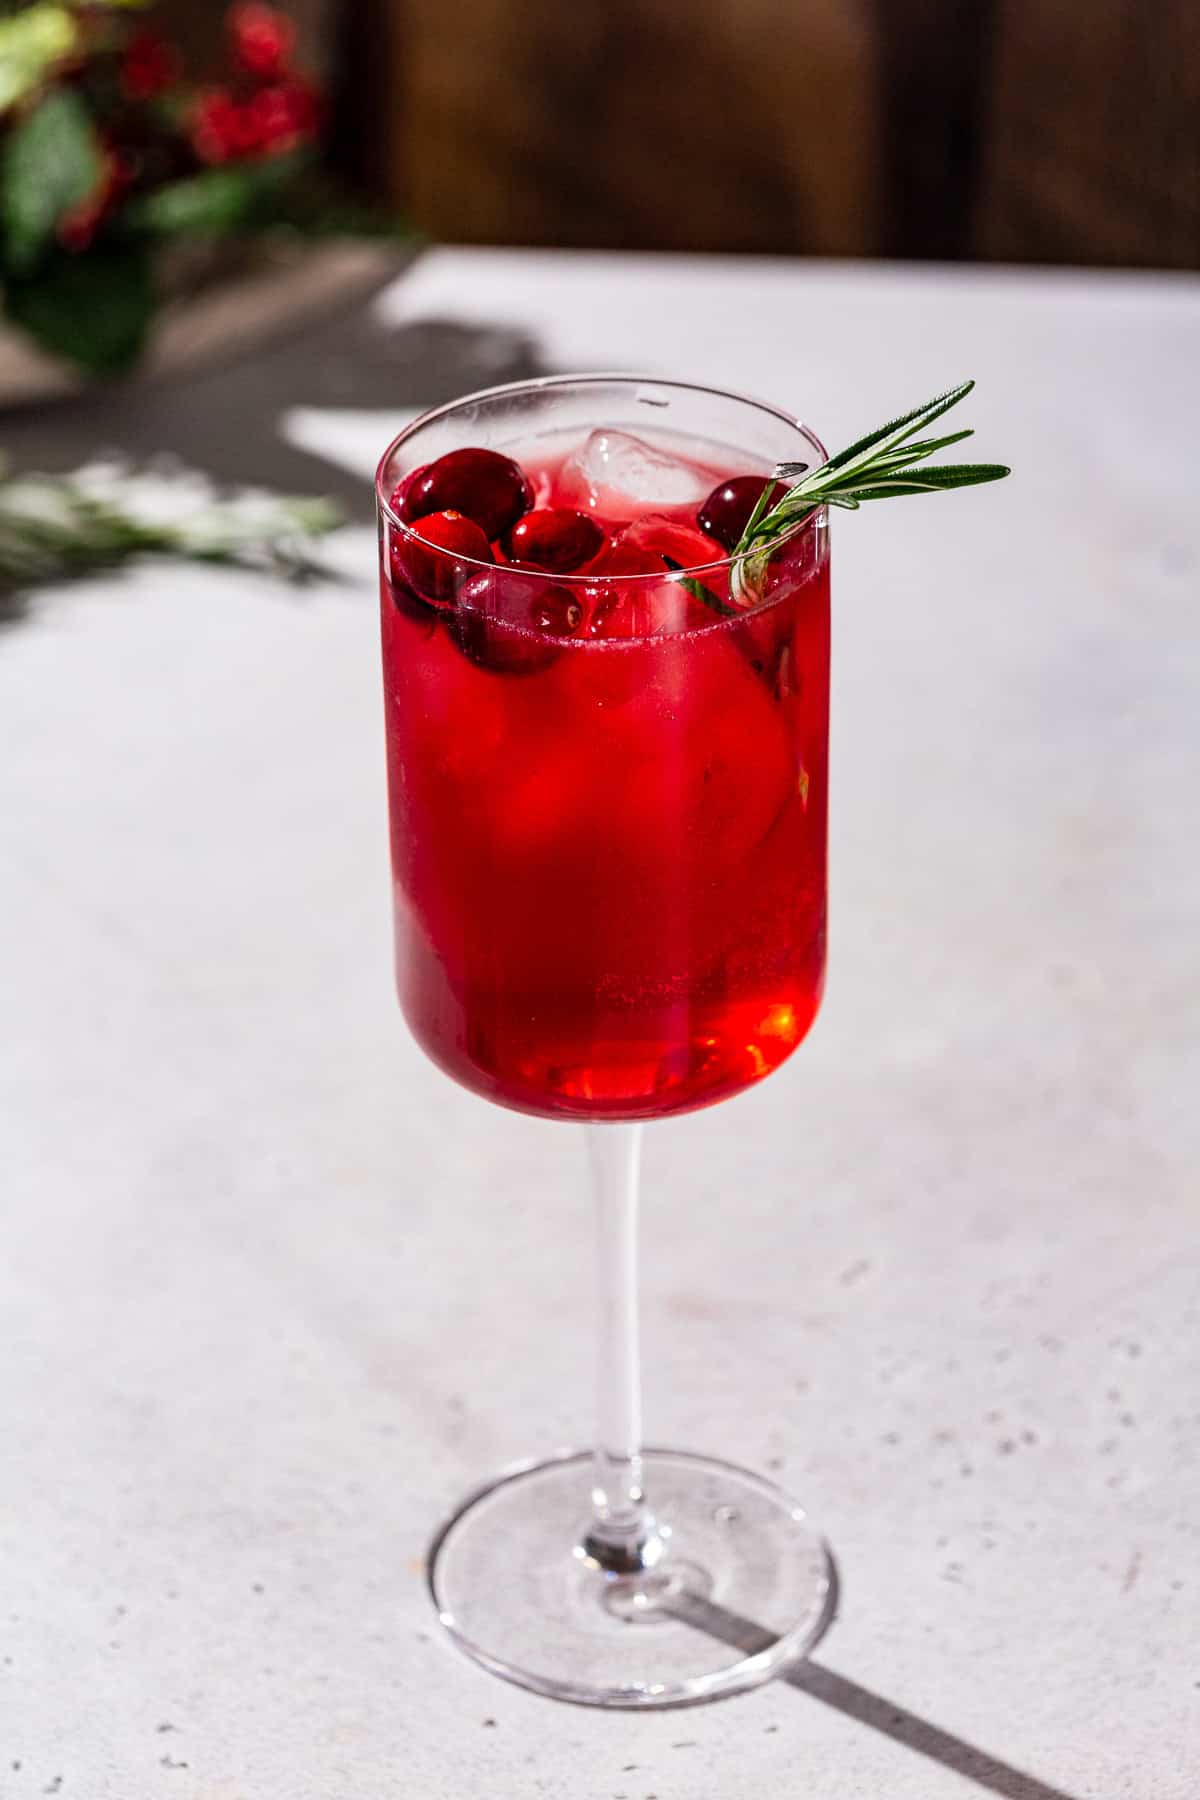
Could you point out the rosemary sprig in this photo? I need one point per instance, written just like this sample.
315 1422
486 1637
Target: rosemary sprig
698 591
880 466
56 526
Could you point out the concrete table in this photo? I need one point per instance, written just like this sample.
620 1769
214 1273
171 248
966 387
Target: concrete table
274 1292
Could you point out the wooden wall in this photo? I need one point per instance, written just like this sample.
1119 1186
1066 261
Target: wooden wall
1021 130
1043 130
1093 144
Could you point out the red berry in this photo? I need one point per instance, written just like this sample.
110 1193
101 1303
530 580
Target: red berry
554 538
432 561
293 109
221 130
510 625
489 488
149 66
261 39
78 226
276 128
399 499
726 512
557 611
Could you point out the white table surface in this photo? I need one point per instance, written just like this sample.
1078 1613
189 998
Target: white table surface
274 1291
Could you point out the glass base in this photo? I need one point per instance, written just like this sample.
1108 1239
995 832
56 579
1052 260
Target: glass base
743 1587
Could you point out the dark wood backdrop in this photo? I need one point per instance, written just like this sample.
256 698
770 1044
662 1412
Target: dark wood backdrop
1020 130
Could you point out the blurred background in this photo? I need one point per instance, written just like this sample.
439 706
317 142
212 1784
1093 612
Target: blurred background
1016 130
288 160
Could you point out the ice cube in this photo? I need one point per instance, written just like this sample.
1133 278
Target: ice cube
617 474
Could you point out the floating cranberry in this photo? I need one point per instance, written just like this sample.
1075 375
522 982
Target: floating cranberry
558 612
486 487
555 538
510 625
399 500
433 561
726 512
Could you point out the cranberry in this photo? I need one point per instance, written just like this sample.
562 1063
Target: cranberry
149 66
399 499
483 485
509 625
554 538
557 611
726 512
430 561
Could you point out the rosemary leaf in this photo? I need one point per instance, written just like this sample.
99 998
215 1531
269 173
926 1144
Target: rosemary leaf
883 465
698 591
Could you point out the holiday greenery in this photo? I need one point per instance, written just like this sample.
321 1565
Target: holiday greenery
110 151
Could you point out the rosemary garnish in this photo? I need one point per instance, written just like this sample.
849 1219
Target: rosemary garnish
881 466
698 591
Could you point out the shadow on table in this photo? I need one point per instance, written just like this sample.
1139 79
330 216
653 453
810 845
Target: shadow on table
226 421
868 1708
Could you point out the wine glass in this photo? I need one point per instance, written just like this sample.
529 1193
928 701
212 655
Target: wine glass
607 794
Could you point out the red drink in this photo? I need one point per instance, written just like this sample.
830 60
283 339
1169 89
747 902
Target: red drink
607 764
607 783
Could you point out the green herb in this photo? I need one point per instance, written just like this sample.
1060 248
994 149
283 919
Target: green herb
698 591
56 526
881 466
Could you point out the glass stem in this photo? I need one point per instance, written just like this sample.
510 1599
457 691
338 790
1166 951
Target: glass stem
622 1538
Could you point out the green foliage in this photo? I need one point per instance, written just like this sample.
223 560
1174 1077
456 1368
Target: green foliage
31 43
77 151
51 162
215 202
94 309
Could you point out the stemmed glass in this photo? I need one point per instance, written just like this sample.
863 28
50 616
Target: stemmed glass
608 826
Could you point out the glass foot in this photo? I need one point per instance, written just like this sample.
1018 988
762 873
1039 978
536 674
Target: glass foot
743 1586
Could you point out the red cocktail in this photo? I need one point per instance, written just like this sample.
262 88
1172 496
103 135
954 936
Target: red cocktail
607 777
606 741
